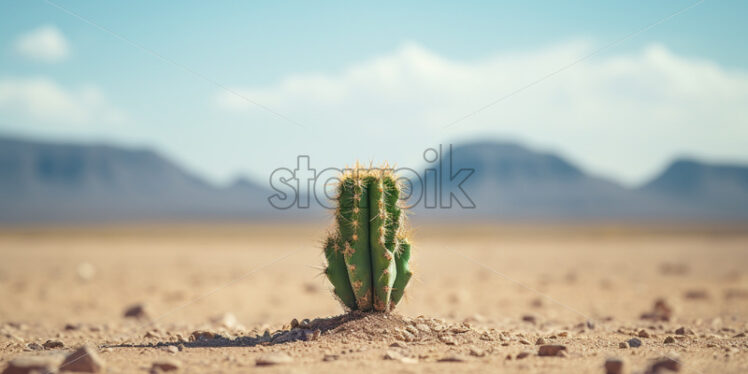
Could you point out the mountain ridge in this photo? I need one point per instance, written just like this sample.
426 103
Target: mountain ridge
48 181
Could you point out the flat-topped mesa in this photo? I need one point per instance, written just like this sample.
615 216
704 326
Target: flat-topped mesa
368 252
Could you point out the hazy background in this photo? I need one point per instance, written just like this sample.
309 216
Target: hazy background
601 110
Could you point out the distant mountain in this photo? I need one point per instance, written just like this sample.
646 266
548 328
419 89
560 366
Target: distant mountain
512 182
695 188
50 182
71 182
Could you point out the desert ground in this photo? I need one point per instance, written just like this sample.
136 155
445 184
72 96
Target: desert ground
234 298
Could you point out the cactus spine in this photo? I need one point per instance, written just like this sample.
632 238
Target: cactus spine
368 253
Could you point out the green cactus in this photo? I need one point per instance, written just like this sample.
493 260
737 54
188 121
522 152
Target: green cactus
368 253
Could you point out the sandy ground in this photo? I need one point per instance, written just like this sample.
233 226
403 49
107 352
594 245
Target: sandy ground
483 296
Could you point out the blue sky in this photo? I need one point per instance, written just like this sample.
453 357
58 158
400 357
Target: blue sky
379 81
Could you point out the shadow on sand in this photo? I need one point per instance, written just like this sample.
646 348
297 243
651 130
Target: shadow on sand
303 332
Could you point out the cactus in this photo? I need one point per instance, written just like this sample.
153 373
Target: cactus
368 252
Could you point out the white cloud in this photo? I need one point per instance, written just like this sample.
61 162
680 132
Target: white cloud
623 115
45 44
41 100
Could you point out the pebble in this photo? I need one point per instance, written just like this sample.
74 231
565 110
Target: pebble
452 358
273 358
447 339
28 365
84 359
165 365
669 340
423 327
613 366
529 318
551 350
136 311
393 355
71 326
201 335
684 331
643 333
34 346
398 345
330 357
623 345
540 341
171 348
477 352
634 343
52 344
521 355
661 311
663 364
524 341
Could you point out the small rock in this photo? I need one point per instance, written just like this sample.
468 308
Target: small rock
643 333
522 355
398 345
613 366
171 348
447 339
550 350
52 344
590 324
393 355
423 327
740 335
684 331
136 311
669 340
84 359
71 326
201 335
477 352
273 358
529 318
294 323
29 365
452 358
660 312
330 357
165 365
664 363
540 341
634 343
524 341
34 346
623 345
